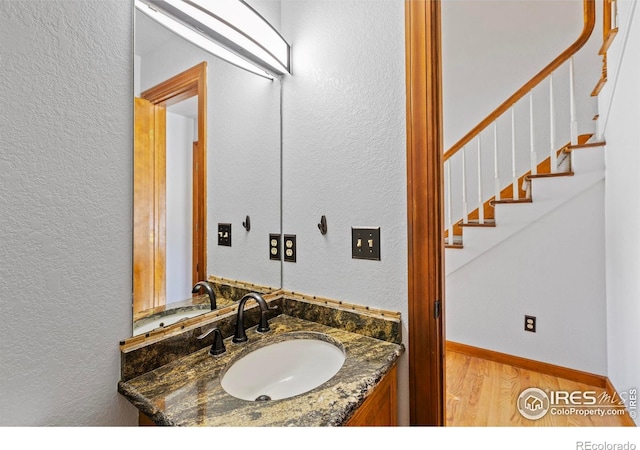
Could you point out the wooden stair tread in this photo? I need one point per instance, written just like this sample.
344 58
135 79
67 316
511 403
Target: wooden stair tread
596 90
550 175
589 145
486 223
455 246
511 200
608 40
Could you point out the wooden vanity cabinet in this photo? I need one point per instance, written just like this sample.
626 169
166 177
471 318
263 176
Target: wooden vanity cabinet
381 407
144 420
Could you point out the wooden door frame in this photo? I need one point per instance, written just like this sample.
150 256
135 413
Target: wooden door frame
425 213
199 254
180 87
148 284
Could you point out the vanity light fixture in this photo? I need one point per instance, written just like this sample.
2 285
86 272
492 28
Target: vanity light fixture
229 25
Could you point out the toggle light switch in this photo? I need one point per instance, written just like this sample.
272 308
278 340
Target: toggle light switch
224 234
365 243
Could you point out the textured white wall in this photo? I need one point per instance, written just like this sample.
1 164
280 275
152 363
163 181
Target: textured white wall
243 157
554 270
620 104
180 137
344 152
66 83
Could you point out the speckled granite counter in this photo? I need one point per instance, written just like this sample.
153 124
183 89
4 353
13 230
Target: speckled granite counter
187 392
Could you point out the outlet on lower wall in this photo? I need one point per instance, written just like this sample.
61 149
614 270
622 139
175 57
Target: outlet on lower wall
530 323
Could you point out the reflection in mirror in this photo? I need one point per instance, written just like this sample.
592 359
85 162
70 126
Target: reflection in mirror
241 158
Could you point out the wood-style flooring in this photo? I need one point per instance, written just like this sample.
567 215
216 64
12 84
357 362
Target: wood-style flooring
484 393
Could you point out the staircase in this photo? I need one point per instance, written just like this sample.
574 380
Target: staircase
545 192
508 171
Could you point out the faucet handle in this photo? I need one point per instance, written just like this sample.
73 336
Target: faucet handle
217 348
207 333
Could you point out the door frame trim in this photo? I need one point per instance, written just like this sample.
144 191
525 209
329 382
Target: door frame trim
425 213
180 87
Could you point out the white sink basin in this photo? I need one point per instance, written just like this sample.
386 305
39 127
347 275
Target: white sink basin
284 369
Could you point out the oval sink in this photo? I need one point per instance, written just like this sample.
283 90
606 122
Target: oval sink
284 369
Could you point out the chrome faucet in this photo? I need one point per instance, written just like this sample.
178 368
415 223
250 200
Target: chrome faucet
207 287
263 327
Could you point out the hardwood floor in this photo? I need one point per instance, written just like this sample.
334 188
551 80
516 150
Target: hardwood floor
484 393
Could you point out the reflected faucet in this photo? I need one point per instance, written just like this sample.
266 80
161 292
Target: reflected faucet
207 287
263 327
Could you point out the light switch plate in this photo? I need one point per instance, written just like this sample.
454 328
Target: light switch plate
365 243
224 234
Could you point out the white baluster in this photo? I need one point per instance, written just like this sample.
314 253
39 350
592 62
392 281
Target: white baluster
572 101
447 166
534 158
514 174
465 204
553 155
496 174
480 204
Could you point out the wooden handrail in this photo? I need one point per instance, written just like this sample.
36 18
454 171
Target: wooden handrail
589 12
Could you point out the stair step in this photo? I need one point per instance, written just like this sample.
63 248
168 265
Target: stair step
457 242
549 175
589 145
504 201
475 223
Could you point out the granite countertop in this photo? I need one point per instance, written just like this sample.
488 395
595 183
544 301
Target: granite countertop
187 392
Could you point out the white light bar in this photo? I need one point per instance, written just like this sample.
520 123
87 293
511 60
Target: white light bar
234 25
243 22
200 40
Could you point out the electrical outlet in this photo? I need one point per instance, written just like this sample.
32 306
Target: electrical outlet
224 234
365 243
274 247
290 247
530 323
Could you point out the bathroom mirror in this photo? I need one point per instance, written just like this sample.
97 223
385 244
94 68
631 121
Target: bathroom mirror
243 181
